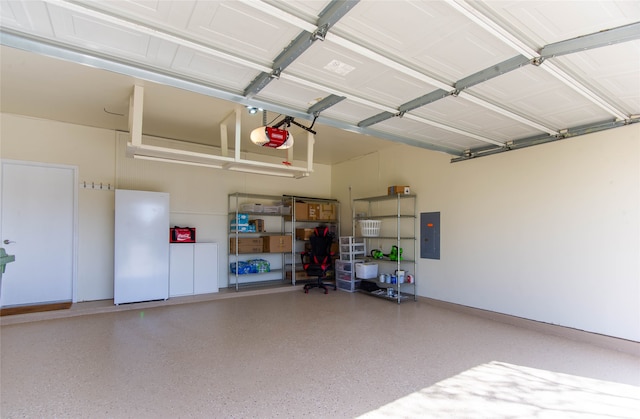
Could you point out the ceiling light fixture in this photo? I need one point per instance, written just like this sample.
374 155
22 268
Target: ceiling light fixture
168 160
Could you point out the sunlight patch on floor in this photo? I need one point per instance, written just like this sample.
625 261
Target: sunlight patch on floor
499 390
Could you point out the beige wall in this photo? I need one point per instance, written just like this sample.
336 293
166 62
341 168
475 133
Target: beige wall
549 233
198 195
93 152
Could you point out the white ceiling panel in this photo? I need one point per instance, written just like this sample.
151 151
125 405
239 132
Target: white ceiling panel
533 91
427 134
291 94
306 9
350 111
337 67
458 112
231 76
546 21
227 26
92 33
235 28
418 39
171 14
29 16
613 70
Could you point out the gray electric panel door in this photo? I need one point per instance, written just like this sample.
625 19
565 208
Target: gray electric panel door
430 235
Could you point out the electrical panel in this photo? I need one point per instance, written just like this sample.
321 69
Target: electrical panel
430 235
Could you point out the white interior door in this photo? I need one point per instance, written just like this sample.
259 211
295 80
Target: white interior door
38 219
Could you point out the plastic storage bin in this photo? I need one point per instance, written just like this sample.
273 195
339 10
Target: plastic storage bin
352 248
366 270
349 286
251 207
344 265
370 228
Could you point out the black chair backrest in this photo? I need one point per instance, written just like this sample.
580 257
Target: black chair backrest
321 242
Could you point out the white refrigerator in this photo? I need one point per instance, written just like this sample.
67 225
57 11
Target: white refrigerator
141 253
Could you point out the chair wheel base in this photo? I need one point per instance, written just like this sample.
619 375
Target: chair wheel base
320 285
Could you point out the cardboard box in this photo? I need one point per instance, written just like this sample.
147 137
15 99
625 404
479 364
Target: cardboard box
398 190
313 211
246 245
304 233
258 225
276 244
301 211
326 212
308 211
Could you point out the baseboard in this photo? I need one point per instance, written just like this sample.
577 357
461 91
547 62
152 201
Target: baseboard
36 308
608 342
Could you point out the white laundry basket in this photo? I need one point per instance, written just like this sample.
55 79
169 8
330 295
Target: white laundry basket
370 228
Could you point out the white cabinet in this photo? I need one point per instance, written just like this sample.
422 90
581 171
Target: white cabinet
205 268
181 269
193 268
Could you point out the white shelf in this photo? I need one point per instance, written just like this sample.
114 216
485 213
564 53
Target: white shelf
298 220
274 226
397 214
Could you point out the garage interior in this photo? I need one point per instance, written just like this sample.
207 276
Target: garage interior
516 119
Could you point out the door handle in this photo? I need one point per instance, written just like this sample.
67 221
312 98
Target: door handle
8 241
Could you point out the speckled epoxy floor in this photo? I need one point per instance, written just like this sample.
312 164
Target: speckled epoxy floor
286 354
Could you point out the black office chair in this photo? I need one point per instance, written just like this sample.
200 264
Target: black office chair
318 260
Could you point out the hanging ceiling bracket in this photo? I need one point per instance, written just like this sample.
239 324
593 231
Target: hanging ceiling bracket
288 120
325 103
320 33
537 61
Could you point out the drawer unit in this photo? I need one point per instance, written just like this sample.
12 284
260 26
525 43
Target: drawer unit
348 286
344 276
352 248
345 265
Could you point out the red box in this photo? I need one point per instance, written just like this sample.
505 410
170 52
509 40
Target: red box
182 235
